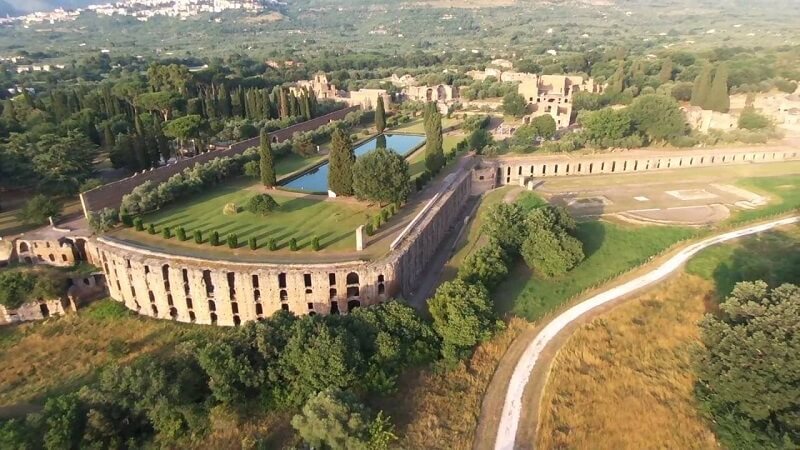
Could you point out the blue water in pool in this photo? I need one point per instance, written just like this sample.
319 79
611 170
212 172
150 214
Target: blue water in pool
316 180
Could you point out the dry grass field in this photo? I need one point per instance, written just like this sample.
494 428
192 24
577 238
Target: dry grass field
624 380
439 409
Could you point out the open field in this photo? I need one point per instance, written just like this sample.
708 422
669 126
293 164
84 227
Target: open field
418 126
783 193
61 353
624 380
299 216
611 249
626 376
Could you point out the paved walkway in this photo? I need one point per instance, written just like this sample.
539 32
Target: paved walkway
513 405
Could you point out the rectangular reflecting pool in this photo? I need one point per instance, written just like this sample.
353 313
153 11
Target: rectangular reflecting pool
316 180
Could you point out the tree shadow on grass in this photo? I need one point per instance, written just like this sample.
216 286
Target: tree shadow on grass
296 204
506 293
773 257
269 232
592 234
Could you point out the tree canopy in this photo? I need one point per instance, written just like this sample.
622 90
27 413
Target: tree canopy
382 176
342 158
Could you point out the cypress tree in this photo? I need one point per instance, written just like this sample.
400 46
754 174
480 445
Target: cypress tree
307 108
108 136
665 75
380 115
702 88
224 102
266 162
266 105
342 158
718 99
434 153
617 82
284 99
162 142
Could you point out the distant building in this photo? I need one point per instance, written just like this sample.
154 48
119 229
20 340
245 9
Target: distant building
552 95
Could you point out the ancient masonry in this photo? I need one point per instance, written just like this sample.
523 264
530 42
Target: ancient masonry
220 292
228 293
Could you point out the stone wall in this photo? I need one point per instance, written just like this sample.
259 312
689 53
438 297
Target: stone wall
63 252
205 291
511 169
32 311
110 195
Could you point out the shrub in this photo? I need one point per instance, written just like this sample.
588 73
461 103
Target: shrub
214 239
393 209
151 229
369 230
103 220
488 266
181 234
166 233
377 221
230 209
262 204
273 244
138 225
198 236
293 245
315 244
233 240
253 243
126 219
385 215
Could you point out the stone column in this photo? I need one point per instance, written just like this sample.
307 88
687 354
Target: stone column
360 238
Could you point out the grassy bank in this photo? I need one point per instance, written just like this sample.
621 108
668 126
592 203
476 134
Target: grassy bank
610 249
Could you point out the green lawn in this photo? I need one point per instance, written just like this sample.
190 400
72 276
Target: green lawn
417 160
300 217
784 193
773 256
418 126
611 250
293 162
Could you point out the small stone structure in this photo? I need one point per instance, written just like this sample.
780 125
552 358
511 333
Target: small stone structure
323 89
81 290
63 252
552 95
704 120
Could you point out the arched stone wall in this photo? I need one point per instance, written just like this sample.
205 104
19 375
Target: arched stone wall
513 170
204 291
59 253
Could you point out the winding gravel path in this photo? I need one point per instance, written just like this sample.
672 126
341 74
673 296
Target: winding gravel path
512 407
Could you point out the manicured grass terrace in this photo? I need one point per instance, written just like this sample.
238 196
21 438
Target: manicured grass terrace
299 216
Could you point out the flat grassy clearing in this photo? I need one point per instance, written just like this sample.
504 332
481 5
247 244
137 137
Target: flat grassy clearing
624 380
10 224
611 249
299 216
418 125
783 193
61 353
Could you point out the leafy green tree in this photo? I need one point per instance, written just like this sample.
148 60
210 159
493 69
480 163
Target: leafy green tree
317 357
657 117
514 104
262 204
665 75
38 209
62 163
342 158
64 420
302 145
488 265
479 139
266 161
505 224
380 115
334 419
233 370
702 87
544 126
463 316
161 102
586 101
382 176
184 128
606 124
718 98
549 248
682 91
748 368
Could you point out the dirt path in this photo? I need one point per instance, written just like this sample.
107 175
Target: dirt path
516 425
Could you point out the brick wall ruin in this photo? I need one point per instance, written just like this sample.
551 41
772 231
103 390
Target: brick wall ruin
110 195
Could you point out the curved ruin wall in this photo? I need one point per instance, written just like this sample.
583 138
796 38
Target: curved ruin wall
518 169
196 290
110 195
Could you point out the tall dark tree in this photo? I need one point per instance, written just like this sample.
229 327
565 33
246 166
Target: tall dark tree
702 87
718 98
284 104
665 75
434 151
342 158
380 115
266 161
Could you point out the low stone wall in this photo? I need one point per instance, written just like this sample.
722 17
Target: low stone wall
206 291
517 169
63 252
110 195
32 311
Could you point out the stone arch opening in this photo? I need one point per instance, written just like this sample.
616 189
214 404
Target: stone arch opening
80 249
255 281
212 306
335 308
23 247
332 293
353 304
192 317
173 313
155 309
284 296
189 303
213 317
259 309
44 309
52 258
234 307
151 296
441 93
282 280
169 300
237 321
28 260
352 291
352 278
207 281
